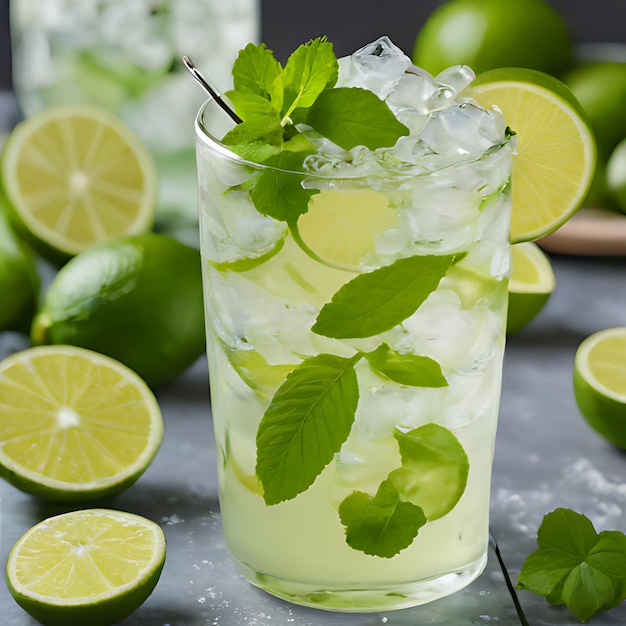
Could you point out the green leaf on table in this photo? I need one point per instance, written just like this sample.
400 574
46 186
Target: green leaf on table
382 525
278 192
575 565
351 116
434 469
310 69
377 301
257 71
406 369
309 418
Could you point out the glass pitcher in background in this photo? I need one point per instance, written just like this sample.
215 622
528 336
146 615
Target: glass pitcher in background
126 55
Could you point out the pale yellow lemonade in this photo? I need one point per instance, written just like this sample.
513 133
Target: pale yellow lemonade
443 192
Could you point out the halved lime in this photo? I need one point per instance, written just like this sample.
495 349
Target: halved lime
600 383
339 228
532 281
555 160
74 424
94 566
75 176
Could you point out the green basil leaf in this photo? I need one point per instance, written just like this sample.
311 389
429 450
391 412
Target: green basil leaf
351 116
257 71
279 193
382 525
310 69
377 301
575 565
309 418
406 369
434 469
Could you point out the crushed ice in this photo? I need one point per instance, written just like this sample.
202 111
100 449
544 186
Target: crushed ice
444 125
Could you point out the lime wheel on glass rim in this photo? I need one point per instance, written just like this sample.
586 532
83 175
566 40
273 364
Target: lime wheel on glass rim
554 162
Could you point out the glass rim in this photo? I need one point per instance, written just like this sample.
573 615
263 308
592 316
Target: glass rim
208 139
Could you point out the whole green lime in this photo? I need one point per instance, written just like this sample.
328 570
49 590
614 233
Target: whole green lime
616 175
19 281
137 299
600 87
487 34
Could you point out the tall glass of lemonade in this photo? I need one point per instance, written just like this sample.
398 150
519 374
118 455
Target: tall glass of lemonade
356 260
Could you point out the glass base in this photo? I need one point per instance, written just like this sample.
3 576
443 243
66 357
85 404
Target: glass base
372 599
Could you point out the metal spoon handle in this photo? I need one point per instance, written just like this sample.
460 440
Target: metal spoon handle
210 90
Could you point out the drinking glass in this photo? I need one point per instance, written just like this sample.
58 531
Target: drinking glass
125 55
396 412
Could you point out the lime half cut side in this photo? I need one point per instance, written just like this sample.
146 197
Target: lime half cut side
600 383
75 176
554 163
74 424
93 566
531 284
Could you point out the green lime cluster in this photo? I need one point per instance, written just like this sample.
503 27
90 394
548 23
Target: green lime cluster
489 34
124 291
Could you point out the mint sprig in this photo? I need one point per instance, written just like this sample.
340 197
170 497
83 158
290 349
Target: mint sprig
274 102
575 565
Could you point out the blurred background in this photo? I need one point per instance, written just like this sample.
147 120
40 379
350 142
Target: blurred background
351 23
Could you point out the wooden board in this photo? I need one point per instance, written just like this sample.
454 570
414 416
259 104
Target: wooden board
591 232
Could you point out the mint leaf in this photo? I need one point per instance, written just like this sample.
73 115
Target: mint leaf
310 69
377 301
351 116
575 565
406 369
279 193
382 525
308 420
257 71
257 139
251 105
434 469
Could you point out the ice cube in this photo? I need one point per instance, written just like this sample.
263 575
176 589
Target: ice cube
377 66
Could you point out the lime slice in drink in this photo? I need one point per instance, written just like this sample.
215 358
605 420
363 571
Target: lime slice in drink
555 159
256 372
340 226
532 282
93 566
600 383
75 176
74 424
